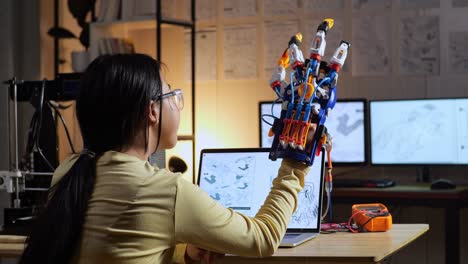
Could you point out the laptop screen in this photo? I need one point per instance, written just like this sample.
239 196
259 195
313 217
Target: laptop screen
241 179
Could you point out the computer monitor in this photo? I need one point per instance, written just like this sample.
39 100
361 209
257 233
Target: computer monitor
346 124
419 132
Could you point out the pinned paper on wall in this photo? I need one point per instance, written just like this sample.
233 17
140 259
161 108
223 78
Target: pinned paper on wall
205 9
205 55
371 5
458 57
371 46
244 8
240 52
277 36
310 5
419 45
280 7
412 4
460 3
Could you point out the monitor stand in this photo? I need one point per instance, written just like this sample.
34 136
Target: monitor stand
425 175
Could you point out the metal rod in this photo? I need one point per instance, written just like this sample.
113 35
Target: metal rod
192 29
15 113
10 160
158 29
16 201
93 12
37 189
38 173
56 41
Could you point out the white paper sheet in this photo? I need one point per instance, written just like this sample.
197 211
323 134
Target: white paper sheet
240 52
419 45
371 4
235 8
205 55
280 7
277 36
205 9
407 4
460 3
458 55
310 5
371 46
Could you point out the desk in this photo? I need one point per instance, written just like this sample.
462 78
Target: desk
418 195
11 246
343 247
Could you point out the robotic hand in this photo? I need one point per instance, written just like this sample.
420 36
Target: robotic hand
307 99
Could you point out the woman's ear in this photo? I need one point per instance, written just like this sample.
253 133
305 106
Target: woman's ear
153 113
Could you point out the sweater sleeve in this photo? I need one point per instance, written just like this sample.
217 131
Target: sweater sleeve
202 221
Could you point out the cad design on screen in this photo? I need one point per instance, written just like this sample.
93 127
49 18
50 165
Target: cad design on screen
242 181
419 131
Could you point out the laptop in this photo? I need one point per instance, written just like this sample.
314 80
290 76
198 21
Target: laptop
241 179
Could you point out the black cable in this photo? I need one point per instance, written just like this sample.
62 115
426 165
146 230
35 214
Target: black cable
38 132
70 142
267 115
45 159
31 134
361 227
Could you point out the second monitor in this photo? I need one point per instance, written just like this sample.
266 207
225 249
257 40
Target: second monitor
346 124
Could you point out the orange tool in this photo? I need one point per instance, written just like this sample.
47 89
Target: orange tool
372 217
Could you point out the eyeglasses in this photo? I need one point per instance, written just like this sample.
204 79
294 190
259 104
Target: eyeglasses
176 99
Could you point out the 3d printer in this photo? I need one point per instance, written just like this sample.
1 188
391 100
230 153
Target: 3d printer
29 176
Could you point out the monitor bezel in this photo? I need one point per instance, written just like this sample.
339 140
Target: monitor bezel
335 163
266 150
372 163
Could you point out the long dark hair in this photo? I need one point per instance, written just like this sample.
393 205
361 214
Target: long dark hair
111 108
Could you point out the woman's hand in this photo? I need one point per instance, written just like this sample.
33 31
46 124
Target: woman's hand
194 253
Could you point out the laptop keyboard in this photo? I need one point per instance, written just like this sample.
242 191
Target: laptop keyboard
291 235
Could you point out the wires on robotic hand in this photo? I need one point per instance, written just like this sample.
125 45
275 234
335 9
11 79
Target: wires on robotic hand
306 84
272 115
278 93
291 85
267 115
311 101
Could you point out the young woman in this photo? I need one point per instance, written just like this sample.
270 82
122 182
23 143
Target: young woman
109 205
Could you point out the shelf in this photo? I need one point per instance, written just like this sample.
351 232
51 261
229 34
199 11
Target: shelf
142 23
184 137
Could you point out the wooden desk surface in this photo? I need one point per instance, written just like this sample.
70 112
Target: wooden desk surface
327 248
11 246
343 247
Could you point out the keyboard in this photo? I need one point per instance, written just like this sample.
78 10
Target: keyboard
363 183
